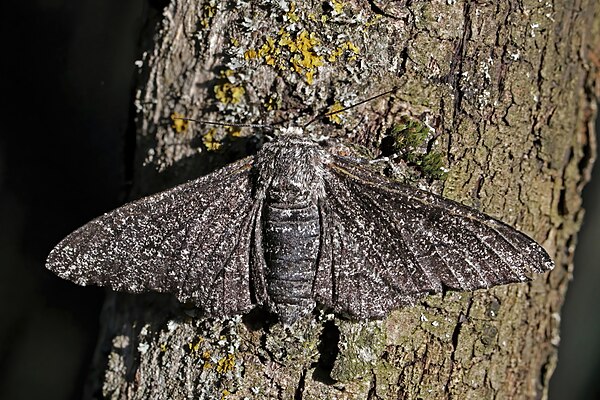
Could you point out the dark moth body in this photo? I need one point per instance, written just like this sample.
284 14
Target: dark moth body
291 237
291 223
295 226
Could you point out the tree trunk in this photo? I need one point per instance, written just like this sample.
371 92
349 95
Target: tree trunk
509 90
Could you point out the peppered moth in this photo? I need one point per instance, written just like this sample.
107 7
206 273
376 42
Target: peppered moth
291 227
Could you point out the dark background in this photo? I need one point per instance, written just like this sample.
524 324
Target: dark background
66 146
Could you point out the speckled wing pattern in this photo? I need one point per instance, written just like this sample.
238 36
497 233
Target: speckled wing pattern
192 241
386 244
380 244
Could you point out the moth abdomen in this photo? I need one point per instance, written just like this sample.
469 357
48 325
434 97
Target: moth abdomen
291 244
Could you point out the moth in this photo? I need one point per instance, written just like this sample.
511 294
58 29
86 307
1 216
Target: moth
294 226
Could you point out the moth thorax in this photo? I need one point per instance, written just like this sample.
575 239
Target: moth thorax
291 245
295 185
289 192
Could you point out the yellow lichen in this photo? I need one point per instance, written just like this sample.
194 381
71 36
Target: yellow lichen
291 14
373 21
180 124
341 49
337 5
250 54
226 364
271 103
194 347
335 54
270 60
304 60
163 347
268 47
228 93
300 55
209 11
352 47
333 113
299 50
210 142
234 131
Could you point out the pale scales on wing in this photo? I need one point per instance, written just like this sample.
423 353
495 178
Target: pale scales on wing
291 227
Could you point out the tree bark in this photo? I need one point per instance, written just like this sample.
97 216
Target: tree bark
509 90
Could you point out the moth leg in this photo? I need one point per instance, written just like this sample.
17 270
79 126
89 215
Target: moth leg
324 281
258 265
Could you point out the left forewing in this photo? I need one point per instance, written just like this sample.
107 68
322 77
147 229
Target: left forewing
192 241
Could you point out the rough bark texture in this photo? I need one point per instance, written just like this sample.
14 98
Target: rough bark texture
510 91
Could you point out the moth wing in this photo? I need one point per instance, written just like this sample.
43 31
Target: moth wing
192 241
385 244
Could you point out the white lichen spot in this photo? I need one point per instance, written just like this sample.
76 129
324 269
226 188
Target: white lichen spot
143 347
485 68
145 330
556 317
435 323
424 318
367 354
120 342
533 27
172 325
484 98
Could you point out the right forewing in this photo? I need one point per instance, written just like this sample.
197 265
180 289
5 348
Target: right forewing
193 241
385 244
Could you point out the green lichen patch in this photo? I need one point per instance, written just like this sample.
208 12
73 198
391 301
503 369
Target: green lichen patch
409 140
299 349
432 165
409 134
287 355
438 324
215 350
360 348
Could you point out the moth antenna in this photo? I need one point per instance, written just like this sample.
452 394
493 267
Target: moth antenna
328 113
207 122
241 125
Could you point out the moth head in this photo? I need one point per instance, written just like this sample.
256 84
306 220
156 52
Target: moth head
292 131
